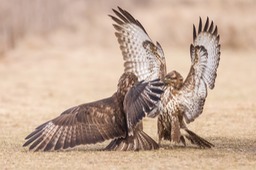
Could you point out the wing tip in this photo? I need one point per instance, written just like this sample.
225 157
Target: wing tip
124 16
209 27
194 32
215 32
200 25
206 24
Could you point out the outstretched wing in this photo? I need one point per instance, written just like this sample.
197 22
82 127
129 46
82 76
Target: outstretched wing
209 39
205 56
83 124
142 57
140 100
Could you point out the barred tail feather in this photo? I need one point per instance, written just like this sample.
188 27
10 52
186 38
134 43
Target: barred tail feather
139 141
196 140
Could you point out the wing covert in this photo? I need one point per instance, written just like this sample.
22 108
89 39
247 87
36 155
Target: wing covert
142 57
83 124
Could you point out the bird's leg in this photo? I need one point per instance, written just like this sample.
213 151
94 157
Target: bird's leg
183 127
160 129
175 131
164 127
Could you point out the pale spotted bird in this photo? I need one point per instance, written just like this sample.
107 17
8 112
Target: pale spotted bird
183 100
115 118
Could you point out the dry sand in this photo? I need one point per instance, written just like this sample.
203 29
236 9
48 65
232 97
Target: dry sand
47 81
44 75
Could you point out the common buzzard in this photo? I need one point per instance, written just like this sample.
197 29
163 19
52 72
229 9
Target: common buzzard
182 100
115 117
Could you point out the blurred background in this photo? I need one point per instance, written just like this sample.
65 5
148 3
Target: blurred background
57 49
85 23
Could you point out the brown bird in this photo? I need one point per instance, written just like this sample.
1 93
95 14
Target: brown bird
115 117
182 100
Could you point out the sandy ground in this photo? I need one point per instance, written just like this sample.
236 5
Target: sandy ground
44 75
51 78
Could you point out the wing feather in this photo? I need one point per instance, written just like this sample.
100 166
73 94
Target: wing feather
140 100
209 39
194 91
205 57
52 139
141 56
83 124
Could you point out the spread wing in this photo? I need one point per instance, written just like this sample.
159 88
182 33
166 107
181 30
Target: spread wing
209 39
142 57
83 124
140 100
205 56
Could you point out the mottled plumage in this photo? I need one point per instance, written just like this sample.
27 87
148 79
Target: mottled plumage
110 118
142 57
182 101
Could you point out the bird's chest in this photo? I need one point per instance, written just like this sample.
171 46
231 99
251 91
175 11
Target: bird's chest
170 102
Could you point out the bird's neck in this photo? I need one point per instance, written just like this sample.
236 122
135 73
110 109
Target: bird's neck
174 90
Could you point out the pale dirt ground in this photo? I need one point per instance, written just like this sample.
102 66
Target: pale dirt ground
45 75
49 80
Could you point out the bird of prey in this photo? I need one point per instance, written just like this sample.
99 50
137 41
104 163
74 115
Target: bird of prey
115 117
183 100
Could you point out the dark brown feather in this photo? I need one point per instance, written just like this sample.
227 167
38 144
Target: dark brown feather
215 32
140 141
211 27
122 17
200 25
126 17
206 25
88 123
88 127
194 32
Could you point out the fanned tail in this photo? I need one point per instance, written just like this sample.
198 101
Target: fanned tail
139 141
196 140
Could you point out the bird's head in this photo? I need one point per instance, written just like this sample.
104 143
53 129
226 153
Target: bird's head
174 79
126 81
